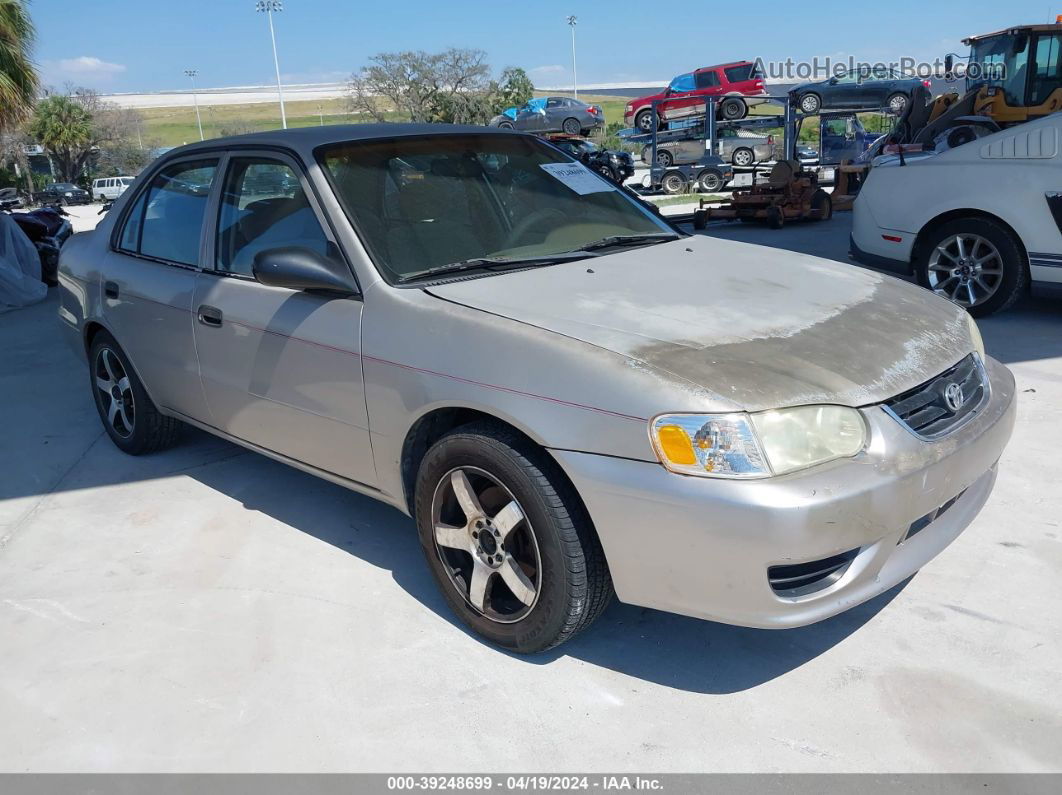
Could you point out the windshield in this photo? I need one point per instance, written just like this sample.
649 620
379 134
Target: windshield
64 186
1003 62
421 203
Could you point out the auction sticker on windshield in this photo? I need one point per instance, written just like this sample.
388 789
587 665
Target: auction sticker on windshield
577 177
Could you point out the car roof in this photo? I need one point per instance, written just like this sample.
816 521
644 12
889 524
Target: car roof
724 65
305 139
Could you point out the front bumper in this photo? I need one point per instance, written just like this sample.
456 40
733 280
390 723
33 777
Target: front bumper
703 547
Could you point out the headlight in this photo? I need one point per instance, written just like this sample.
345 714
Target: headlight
69 193
757 445
975 337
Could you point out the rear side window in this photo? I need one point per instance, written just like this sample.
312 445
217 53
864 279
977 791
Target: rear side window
738 74
707 79
166 221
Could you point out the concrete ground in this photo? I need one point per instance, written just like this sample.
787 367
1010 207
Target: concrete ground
207 609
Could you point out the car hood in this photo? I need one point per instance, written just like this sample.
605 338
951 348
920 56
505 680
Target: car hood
751 327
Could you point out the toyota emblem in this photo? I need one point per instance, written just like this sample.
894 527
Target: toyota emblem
954 397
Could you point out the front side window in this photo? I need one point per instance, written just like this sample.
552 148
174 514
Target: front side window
263 206
1048 75
432 201
1003 60
683 83
167 219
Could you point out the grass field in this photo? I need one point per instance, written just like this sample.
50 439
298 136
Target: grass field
176 126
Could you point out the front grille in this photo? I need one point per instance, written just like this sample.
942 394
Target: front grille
800 579
945 403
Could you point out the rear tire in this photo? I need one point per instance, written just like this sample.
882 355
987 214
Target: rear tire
1013 279
743 156
710 180
673 183
129 416
896 103
546 538
823 204
572 126
733 108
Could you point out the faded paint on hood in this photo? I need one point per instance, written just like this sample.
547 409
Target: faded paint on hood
753 326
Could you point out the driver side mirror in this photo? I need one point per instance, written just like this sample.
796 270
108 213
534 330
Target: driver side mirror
833 81
299 268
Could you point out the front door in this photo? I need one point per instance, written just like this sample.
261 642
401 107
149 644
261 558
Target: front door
150 278
280 368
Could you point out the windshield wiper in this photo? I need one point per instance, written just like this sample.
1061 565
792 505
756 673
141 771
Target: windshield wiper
629 241
495 264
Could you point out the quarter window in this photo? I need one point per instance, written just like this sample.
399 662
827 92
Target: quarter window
263 206
166 221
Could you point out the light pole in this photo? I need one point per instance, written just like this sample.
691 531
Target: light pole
572 21
269 6
195 98
320 114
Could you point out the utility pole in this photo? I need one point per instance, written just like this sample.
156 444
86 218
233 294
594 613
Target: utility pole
268 7
572 21
320 113
195 98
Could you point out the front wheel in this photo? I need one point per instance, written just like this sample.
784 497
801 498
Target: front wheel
810 103
644 121
673 183
974 262
507 539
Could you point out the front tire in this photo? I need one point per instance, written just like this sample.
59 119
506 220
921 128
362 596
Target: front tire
810 103
644 121
508 540
128 415
975 263
673 183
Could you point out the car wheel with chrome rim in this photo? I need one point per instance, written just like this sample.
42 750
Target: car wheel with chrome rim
128 414
975 263
508 540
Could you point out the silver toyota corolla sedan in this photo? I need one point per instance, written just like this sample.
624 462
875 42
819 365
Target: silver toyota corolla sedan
566 394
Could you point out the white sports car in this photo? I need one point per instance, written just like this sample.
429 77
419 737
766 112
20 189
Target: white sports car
976 224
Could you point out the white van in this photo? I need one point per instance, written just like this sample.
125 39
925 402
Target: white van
110 187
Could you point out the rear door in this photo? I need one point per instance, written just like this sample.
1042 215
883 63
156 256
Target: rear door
149 280
280 368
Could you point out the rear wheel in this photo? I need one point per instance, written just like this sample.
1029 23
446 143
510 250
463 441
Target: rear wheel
673 183
128 415
733 108
743 156
896 103
974 262
644 120
664 158
508 540
822 205
572 126
606 172
710 180
506 125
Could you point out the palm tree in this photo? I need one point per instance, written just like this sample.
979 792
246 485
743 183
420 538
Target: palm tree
18 76
63 126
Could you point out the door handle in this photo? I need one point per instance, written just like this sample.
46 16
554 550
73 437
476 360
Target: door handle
110 289
209 315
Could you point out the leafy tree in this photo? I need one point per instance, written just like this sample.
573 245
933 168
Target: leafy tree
18 77
512 90
73 126
452 86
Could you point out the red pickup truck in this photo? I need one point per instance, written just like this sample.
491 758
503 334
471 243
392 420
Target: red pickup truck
686 94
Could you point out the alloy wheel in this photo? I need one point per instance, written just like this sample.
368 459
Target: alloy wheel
486 544
966 269
809 104
898 103
743 157
115 393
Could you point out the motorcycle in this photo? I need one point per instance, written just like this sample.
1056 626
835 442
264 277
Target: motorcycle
47 228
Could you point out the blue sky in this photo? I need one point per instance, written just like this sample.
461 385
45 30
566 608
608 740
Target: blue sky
144 45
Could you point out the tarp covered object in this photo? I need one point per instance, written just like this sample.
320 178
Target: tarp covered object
20 268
